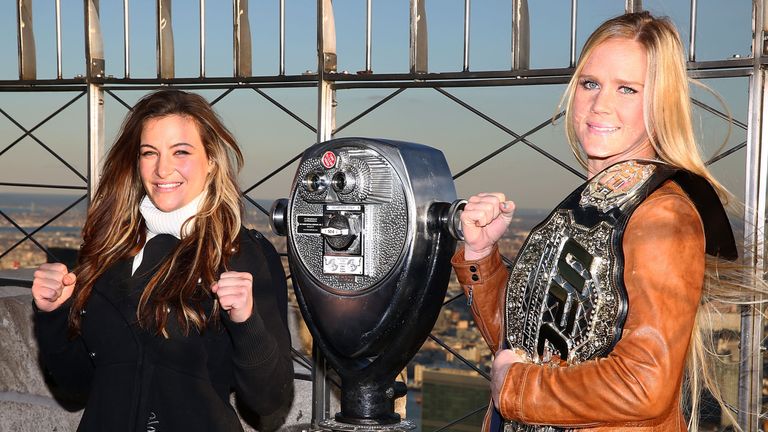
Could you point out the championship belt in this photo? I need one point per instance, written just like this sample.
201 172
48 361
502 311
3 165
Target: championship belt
565 298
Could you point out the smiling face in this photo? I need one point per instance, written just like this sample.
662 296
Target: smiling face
173 164
607 110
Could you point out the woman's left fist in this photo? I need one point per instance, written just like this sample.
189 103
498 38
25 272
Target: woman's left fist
235 293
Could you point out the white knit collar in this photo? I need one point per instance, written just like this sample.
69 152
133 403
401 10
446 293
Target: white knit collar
160 222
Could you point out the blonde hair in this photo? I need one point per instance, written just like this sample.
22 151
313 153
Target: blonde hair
114 229
668 122
666 105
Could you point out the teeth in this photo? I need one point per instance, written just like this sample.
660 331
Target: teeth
604 129
167 185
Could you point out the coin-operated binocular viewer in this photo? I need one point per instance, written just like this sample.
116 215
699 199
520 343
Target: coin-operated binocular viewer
370 226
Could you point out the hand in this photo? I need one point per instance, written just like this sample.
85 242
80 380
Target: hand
52 285
235 293
484 220
501 363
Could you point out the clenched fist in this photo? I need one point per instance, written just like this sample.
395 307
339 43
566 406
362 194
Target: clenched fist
52 286
235 293
484 220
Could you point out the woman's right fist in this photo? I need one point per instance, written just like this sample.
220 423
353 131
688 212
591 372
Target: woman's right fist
484 220
52 286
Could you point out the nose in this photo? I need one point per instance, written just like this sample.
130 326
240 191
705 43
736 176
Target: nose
164 166
602 102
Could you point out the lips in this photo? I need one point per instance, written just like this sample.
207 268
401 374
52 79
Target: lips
167 186
600 129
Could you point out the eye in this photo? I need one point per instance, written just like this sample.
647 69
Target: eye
147 153
627 90
181 153
589 84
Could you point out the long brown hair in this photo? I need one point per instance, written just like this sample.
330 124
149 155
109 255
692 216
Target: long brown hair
114 229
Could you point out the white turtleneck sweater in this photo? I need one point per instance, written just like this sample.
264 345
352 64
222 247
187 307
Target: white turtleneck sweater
160 222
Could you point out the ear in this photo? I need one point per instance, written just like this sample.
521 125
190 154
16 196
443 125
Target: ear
211 165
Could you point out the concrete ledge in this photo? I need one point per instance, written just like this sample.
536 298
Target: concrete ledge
28 406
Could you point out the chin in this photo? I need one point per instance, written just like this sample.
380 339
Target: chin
168 206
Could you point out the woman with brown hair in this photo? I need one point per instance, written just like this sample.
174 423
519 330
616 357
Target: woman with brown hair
592 326
173 304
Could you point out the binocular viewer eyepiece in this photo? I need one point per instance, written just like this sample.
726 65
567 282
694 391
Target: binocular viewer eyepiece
371 227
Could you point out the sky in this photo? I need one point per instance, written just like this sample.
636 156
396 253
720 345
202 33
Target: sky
269 137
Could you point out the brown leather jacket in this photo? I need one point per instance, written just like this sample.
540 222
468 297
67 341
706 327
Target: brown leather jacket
637 386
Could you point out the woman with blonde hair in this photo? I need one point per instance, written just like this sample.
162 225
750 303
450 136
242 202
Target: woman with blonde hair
592 326
173 304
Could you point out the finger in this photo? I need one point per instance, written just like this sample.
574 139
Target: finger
232 301
476 218
49 274
47 293
225 284
480 214
236 275
507 207
498 196
69 279
53 267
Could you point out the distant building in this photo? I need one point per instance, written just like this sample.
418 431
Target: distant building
449 394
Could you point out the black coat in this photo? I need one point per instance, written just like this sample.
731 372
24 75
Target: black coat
136 381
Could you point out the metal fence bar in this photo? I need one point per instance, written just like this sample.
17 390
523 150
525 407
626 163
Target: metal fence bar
368 36
45 224
454 298
510 144
458 420
633 6
118 99
273 173
466 35
221 96
256 204
726 153
42 144
28 235
301 359
521 35
371 108
284 109
44 186
41 122
26 40
718 113
94 45
460 357
282 37
165 48
127 40
242 39
574 7
752 322
95 136
58 39
692 36
418 37
518 138
202 38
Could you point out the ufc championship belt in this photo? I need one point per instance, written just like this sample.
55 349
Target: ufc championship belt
565 296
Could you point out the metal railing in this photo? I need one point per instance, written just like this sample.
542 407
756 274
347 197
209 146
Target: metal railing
326 81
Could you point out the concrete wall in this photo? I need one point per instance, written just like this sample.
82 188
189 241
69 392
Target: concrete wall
26 404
